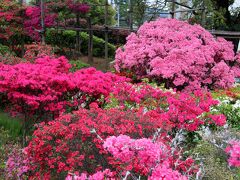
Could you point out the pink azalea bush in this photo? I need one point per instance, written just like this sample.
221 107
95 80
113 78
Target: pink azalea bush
100 175
181 55
233 150
150 157
17 164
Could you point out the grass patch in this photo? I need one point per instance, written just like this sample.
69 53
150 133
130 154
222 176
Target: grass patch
11 124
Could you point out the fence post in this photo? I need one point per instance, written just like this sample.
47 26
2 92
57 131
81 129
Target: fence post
42 22
106 33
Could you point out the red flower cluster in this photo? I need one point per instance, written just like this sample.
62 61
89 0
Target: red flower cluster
74 142
32 24
78 7
177 110
37 50
70 143
11 19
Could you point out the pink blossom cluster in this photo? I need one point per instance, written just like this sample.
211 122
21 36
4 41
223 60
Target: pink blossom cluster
32 23
151 156
47 86
181 55
100 175
140 155
17 164
233 149
166 173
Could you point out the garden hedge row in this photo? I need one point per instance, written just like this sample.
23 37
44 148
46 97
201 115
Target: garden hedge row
67 39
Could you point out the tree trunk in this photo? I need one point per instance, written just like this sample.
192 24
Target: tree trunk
43 22
90 42
78 39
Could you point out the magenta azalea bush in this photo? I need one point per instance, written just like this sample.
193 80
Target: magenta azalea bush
46 88
181 55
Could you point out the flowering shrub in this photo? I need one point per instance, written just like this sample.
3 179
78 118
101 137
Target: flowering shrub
100 175
151 159
229 105
233 149
78 7
17 164
11 19
74 143
32 23
140 155
178 110
37 50
181 55
44 89
9 58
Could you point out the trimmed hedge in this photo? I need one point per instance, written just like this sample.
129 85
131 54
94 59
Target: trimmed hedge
4 50
67 38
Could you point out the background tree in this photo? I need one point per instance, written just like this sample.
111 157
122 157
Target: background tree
11 23
218 15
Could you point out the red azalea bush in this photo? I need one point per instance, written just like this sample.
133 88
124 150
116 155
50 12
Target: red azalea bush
181 55
9 58
77 7
180 110
37 50
74 142
44 89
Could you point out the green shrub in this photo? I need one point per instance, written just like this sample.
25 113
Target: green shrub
76 65
4 50
229 105
232 114
214 162
67 39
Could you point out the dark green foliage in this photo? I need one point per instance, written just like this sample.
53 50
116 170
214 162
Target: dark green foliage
4 50
76 65
67 39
